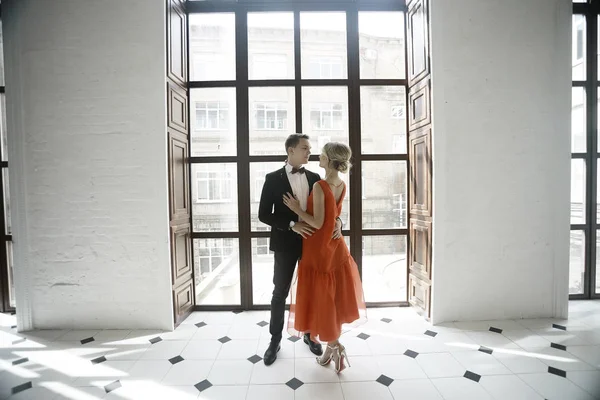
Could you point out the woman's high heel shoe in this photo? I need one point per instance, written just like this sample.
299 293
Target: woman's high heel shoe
340 358
325 359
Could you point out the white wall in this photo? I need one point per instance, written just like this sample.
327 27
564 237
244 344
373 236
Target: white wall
501 78
87 154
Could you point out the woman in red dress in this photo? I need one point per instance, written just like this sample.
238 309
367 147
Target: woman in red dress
328 292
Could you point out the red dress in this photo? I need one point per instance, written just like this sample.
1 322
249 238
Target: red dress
327 292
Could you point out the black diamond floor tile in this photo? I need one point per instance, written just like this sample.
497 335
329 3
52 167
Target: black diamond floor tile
411 354
87 340
472 376
156 340
386 320
558 346
486 350
385 380
238 311
113 386
99 360
176 360
294 383
202 386
224 339
201 324
262 324
431 333
293 339
13 327
363 336
20 361
255 358
558 372
20 388
495 330
562 328
19 341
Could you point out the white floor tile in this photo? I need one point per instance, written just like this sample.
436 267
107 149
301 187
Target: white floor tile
231 372
553 387
201 350
508 387
421 389
366 390
440 365
492 340
211 332
77 335
224 393
587 380
481 363
520 361
560 359
149 370
313 391
364 368
269 392
238 350
400 367
309 371
164 350
187 372
460 389
278 373
588 354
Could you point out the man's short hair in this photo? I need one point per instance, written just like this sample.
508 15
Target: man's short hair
294 139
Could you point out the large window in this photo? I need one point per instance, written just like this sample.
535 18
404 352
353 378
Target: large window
7 288
584 275
337 75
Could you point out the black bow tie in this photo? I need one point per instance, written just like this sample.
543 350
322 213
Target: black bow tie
298 170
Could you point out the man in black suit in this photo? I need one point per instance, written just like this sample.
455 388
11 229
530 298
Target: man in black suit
287 232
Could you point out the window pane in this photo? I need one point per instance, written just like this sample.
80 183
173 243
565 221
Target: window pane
579 43
262 272
383 119
577 191
7 217
578 124
384 194
325 115
11 279
381 45
271 45
258 171
217 270
323 45
212 47
213 122
214 197
272 119
3 135
1 56
577 262
314 167
597 263
384 268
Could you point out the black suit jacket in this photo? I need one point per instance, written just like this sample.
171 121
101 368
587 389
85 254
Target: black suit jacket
274 213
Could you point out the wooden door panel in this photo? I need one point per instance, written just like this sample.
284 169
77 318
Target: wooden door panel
420 249
179 194
177 129
418 40
419 155
420 158
181 253
176 43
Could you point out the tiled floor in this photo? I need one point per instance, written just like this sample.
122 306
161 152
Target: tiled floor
396 355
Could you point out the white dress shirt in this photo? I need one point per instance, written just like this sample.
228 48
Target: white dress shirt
299 184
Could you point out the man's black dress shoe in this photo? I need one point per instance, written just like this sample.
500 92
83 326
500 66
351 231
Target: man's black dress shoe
314 347
271 353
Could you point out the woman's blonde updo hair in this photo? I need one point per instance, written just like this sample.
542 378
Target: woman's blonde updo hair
339 156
